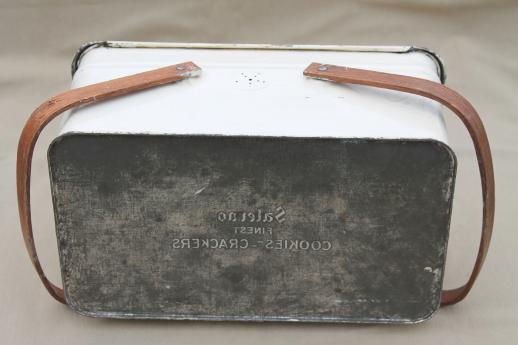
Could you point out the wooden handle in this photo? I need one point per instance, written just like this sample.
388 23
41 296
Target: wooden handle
468 115
56 105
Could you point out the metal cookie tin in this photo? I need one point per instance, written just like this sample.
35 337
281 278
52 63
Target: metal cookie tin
253 193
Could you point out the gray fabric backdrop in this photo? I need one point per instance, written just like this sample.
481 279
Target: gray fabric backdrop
477 39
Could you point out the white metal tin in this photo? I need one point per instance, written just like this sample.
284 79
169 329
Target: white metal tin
345 165
258 90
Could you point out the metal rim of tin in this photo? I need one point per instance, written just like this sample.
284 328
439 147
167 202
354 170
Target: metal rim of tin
382 49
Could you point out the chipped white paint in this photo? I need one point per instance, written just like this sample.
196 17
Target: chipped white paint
199 191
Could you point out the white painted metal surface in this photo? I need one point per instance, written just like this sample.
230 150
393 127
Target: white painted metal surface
258 90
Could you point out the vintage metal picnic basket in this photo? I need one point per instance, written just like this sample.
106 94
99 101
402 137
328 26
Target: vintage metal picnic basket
268 188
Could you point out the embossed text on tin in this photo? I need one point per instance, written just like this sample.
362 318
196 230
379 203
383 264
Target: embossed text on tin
252 229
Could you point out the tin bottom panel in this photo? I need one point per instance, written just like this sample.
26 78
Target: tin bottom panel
252 228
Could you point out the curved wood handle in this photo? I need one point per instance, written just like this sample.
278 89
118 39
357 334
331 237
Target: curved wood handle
56 105
468 115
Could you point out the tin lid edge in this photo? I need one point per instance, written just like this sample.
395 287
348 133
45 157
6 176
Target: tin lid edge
441 71
346 48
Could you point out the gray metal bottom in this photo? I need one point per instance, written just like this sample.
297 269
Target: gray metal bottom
252 228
